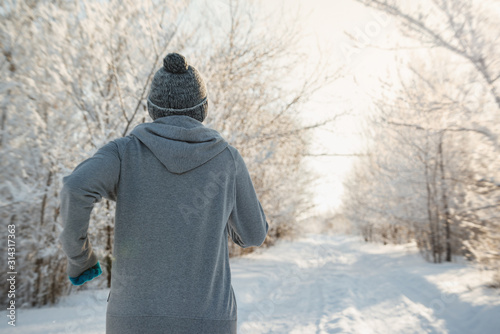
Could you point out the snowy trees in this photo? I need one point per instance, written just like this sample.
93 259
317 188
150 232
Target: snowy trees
434 167
71 81
254 107
75 76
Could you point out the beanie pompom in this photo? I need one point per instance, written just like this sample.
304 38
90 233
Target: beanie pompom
175 63
177 89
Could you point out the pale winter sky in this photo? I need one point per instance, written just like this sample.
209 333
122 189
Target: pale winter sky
326 22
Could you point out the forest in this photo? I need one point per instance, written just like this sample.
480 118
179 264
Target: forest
75 75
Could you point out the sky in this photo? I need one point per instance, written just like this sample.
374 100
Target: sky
326 24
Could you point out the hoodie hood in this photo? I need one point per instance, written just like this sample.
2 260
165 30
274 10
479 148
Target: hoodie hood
180 142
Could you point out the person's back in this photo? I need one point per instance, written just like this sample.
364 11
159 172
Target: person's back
180 190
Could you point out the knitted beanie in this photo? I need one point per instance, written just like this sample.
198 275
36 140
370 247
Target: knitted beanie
177 89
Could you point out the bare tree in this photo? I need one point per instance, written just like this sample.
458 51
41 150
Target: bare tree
451 99
464 28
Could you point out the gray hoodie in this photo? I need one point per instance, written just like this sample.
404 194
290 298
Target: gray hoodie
180 190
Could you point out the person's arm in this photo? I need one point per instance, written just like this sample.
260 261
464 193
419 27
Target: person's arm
247 223
91 180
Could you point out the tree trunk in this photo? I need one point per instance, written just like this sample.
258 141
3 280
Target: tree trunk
109 248
444 190
429 215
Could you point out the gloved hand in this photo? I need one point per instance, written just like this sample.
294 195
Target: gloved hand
87 275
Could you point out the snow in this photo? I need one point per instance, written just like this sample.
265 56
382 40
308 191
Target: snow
323 284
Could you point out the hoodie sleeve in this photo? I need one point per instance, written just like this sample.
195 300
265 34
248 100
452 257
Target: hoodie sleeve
247 223
91 180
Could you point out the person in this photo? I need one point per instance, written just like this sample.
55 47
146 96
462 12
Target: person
180 191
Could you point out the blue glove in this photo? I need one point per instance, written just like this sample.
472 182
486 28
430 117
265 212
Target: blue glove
87 275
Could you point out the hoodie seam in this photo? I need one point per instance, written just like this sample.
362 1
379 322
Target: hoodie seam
231 148
120 150
204 162
142 138
234 179
120 153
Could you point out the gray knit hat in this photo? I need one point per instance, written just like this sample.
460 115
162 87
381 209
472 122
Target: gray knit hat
177 89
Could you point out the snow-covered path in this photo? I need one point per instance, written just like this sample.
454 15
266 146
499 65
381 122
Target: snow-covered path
323 284
337 284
